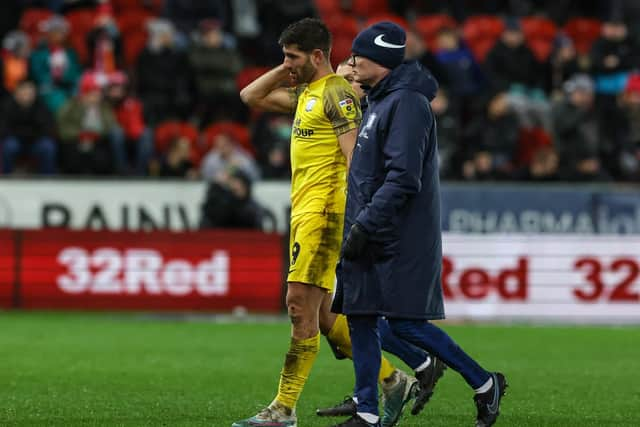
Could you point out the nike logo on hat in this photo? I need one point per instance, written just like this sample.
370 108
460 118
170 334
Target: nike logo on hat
380 42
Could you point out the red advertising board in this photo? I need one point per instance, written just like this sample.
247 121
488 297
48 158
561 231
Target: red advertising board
205 271
7 268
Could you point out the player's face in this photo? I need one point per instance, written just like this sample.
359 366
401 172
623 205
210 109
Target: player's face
299 64
365 71
346 71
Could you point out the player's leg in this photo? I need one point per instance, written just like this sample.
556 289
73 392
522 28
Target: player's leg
397 387
428 370
489 386
366 361
303 304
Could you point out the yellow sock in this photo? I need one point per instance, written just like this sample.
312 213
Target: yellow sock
339 337
297 365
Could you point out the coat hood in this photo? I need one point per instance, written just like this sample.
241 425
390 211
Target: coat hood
408 75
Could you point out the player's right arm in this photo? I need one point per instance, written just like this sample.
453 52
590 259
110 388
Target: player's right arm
266 92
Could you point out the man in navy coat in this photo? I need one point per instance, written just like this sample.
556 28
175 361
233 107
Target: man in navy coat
392 248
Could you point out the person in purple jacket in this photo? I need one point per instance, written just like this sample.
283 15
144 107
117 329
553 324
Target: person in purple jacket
392 248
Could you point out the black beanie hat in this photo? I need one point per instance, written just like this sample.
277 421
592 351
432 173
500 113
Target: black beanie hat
383 42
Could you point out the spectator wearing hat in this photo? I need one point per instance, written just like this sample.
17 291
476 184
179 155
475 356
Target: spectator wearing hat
491 140
164 82
14 61
511 66
26 129
92 141
626 130
215 67
54 65
577 132
129 113
104 42
391 258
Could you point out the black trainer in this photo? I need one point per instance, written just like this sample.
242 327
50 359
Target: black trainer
427 379
356 421
344 409
488 403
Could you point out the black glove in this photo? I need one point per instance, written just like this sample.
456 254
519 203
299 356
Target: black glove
355 243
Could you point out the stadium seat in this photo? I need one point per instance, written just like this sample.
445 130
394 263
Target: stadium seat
30 22
365 8
133 21
81 22
133 44
480 32
249 74
428 26
169 130
121 7
540 34
341 50
238 131
387 17
583 32
328 7
342 25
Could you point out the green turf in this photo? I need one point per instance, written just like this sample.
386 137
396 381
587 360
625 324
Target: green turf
123 370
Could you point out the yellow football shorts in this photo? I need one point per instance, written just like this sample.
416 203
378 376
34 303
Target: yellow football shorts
314 248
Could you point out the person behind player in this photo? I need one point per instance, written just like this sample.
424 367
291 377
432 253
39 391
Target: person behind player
391 256
327 115
428 370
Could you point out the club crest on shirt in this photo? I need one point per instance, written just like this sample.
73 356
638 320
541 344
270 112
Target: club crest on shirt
310 104
348 107
364 131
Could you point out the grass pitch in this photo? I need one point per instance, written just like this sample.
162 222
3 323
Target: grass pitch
127 370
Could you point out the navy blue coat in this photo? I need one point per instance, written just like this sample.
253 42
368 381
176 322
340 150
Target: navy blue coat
394 194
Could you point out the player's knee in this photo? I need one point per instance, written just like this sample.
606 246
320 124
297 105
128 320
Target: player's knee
326 322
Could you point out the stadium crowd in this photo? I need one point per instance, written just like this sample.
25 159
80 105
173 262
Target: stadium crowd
529 90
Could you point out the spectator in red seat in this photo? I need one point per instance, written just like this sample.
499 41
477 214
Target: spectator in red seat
463 73
564 62
225 153
448 130
511 66
54 65
626 130
163 76
577 132
26 128
215 67
129 113
177 162
92 141
104 43
416 49
613 56
14 61
492 140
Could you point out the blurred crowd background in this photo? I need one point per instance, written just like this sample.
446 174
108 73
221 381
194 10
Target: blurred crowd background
529 90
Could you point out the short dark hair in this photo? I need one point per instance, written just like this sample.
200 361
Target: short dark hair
308 34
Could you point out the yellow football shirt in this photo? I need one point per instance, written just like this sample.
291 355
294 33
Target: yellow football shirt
326 108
